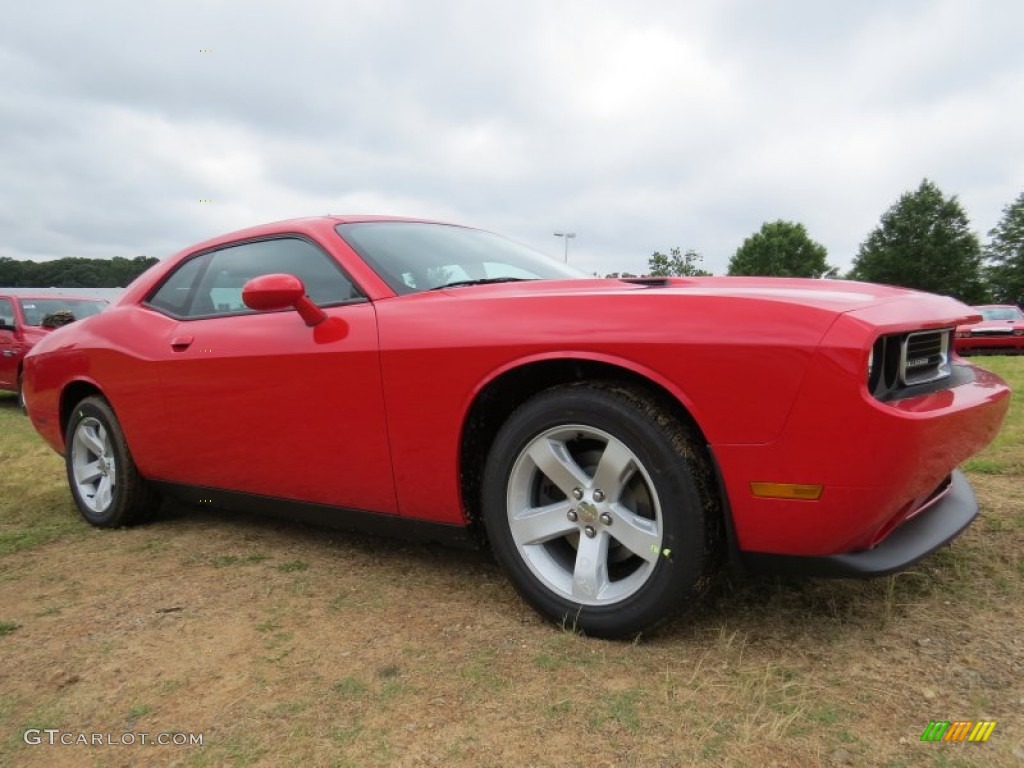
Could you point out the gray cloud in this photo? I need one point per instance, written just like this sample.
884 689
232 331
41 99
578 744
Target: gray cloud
640 127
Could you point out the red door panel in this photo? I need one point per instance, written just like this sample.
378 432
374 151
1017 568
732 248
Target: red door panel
264 404
9 356
9 348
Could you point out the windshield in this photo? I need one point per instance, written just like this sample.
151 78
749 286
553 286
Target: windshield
413 256
50 313
1002 313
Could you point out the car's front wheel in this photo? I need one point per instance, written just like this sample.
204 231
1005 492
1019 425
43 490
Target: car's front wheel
105 483
599 506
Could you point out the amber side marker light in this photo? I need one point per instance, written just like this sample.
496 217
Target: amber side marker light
787 491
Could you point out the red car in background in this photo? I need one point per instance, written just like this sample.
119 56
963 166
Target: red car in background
612 440
1000 332
26 319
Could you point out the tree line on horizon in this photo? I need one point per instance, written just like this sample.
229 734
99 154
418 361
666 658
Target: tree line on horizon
72 272
923 241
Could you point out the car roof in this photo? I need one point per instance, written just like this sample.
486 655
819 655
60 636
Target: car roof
304 224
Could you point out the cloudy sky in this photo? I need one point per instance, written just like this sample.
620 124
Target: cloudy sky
134 127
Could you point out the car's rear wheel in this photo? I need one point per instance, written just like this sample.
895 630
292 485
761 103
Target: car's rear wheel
105 483
599 507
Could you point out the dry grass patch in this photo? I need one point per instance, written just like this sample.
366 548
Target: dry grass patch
288 645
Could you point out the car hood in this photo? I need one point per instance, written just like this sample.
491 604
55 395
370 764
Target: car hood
884 304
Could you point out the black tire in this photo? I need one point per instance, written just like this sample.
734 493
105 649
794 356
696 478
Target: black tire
664 500
108 489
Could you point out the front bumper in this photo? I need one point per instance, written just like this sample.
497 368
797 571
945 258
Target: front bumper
877 462
995 344
936 525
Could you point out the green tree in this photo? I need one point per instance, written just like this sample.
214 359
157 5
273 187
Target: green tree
71 272
676 264
925 242
10 272
1005 254
781 249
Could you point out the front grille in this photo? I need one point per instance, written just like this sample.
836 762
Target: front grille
925 357
993 332
902 361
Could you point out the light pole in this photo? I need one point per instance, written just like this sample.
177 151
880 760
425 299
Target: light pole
568 236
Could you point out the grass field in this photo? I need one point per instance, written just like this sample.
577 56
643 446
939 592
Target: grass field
286 645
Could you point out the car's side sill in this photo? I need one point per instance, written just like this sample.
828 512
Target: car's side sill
375 523
908 543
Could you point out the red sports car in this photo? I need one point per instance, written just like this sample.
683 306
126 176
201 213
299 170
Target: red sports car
1000 332
26 319
612 440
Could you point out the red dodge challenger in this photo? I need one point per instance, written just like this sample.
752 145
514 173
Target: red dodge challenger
612 440
1000 332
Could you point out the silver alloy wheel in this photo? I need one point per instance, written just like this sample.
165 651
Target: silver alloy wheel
94 464
584 515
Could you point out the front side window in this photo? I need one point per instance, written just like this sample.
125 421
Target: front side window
415 256
211 284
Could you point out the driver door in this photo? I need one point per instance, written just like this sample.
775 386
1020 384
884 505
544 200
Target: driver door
260 403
